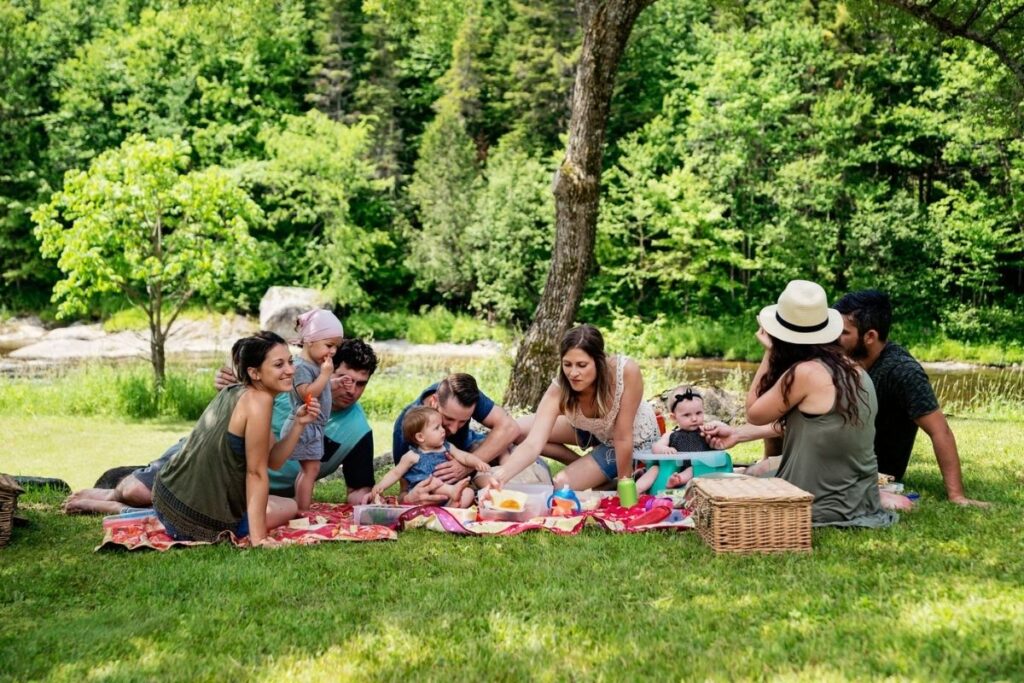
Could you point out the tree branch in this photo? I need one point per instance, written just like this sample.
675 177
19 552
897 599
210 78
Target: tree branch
948 27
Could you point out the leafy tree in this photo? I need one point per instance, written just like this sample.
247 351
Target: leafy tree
210 73
36 36
140 224
444 188
318 189
511 234
606 27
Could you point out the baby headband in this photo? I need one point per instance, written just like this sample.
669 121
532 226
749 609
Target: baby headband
317 325
687 395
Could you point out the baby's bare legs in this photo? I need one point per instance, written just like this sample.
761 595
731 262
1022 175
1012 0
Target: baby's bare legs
646 481
304 483
680 478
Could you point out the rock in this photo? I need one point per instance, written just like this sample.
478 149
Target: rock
280 306
719 404
18 332
77 331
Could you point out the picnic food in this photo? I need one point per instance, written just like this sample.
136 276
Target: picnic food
513 501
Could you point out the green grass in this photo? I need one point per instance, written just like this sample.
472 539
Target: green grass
935 598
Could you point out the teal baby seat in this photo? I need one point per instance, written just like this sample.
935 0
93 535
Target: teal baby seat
703 463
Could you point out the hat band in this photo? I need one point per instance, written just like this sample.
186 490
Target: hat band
801 328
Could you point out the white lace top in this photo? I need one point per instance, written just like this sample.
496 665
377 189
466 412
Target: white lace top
645 425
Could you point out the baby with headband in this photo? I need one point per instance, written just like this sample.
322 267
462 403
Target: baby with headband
686 407
320 334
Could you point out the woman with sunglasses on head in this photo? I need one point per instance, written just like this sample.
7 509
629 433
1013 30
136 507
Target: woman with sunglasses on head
823 404
595 402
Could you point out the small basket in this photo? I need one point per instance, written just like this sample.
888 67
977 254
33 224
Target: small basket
9 492
752 515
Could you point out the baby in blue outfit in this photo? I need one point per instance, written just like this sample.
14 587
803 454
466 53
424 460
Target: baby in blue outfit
422 426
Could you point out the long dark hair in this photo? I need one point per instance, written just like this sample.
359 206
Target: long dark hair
845 375
588 339
250 352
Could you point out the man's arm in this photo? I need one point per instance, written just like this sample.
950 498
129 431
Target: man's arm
503 431
937 428
357 468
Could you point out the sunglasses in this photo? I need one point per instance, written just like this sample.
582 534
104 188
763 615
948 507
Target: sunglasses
687 395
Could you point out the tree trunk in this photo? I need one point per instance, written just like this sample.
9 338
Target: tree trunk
606 27
158 357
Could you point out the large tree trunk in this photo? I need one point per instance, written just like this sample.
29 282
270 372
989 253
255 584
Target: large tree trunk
606 27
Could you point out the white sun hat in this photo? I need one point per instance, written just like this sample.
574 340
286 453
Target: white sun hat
802 315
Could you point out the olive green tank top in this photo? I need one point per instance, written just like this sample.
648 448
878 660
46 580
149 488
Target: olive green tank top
201 491
835 461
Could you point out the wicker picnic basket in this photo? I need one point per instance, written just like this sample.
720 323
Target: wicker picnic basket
752 515
9 492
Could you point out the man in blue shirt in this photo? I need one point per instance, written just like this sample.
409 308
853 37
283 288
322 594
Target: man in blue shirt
458 399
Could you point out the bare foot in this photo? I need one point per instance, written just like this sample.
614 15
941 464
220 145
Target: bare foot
81 505
467 498
82 502
894 501
458 489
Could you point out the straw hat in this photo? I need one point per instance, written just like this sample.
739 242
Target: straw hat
802 315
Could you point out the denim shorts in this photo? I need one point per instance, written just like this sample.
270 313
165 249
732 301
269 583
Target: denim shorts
603 454
241 531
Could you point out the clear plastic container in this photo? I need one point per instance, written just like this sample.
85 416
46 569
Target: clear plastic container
536 504
385 515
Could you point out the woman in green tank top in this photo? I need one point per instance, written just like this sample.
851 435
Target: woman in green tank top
824 404
218 481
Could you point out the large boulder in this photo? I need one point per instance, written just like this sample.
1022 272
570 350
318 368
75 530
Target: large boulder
280 307
18 332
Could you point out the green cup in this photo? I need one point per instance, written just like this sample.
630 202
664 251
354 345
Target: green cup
627 492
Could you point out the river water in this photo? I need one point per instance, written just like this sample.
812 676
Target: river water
956 385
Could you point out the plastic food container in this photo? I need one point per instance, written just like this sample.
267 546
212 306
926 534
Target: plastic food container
536 504
385 515
590 499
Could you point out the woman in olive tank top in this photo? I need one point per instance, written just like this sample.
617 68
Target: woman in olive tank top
825 405
218 481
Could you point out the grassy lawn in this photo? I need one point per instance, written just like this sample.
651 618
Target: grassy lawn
938 597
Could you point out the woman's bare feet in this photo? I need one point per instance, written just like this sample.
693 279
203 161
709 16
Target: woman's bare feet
93 502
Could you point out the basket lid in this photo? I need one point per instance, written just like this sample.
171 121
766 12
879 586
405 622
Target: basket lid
751 488
9 485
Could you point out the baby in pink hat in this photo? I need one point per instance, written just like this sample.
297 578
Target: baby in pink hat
320 334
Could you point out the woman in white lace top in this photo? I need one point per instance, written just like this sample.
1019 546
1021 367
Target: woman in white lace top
595 402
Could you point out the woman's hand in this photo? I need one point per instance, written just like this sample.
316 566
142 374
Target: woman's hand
309 411
764 338
719 435
266 542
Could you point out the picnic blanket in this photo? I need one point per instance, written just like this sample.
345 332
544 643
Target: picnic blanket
609 515
333 522
326 522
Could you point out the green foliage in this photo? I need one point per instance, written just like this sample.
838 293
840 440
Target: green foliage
210 73
511 235
315 180
443 189
138 223
98 390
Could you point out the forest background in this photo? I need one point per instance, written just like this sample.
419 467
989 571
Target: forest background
399 154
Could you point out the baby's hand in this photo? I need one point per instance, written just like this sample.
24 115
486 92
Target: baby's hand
482 467
662 450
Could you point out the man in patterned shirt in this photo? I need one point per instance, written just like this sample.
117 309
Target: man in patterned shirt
906 400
